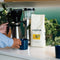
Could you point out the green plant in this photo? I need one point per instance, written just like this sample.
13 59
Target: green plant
52 31
57 40
3 14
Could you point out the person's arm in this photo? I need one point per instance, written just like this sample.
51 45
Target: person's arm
8 42
5 41
3 28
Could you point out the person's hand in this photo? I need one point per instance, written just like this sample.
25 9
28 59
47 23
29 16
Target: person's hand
16 43
3 28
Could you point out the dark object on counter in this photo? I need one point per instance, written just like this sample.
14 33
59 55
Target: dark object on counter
14 15
24 45
14 18
29 9
57 50
16 24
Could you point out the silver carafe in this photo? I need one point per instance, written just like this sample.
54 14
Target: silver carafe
16 31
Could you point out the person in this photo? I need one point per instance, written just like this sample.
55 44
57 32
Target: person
6 41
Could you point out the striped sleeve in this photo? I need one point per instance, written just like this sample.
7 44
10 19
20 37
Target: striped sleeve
5 41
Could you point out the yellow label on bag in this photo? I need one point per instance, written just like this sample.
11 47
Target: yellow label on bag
36 36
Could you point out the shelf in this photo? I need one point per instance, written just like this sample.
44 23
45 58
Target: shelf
27 0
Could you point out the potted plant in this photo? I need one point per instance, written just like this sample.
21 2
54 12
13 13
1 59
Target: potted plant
57 47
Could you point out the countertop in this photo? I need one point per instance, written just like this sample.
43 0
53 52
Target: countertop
34 53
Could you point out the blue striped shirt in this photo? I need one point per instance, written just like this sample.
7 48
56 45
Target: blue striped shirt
5 41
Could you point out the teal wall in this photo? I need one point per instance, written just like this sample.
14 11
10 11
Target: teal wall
50 12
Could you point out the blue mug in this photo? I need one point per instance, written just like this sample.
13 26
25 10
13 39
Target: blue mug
57 50
24 45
